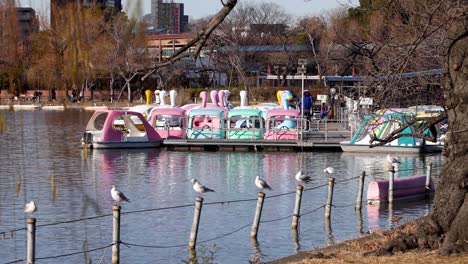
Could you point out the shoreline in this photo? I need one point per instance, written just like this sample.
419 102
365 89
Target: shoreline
58 105
363 250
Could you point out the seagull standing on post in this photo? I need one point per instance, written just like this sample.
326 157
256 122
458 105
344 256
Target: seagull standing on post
118 196
300 177
199 188
261 184
329 171
30 207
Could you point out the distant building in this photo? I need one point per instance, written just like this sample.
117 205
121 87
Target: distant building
27 22
169 16
162 46
114 5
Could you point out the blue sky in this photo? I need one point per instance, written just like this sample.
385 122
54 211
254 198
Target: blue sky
202 8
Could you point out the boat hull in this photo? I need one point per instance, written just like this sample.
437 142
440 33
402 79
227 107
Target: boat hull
407 188
432 148
380 149
114 145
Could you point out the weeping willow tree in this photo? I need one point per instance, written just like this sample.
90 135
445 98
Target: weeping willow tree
65 54
13 59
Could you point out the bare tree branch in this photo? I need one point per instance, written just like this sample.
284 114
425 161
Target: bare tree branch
430 123
199 40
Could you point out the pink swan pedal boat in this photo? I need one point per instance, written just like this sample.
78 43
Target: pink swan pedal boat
119 129
169 123
282 124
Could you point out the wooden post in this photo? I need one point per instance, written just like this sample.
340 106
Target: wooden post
360 222
360 191
428 176
196 220
331 185
116 234
295 238
390 215
390 184
31 237
329 231
258 215
297 207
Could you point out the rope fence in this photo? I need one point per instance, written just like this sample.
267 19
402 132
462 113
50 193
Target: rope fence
198 207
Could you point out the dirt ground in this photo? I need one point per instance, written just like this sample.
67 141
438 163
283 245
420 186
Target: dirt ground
356 251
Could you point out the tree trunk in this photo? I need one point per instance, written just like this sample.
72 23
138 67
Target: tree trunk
446 228
451 199
129 95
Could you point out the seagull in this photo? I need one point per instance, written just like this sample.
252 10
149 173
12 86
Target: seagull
302 178
329 170
118 196
30 207
261 184
392 159
199 188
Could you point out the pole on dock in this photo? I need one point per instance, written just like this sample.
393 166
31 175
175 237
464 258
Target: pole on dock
428 176
390 184
196 221
258 215
31 237
326 129
360 191
331 185
297 207
116 234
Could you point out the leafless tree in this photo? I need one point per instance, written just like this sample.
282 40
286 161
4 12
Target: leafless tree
131 54
240 39
396 37
390 39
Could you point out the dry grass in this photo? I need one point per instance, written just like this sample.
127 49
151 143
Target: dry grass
379 238
407 258
352 251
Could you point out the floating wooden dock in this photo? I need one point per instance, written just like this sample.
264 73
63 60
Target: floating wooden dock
245 145
312 141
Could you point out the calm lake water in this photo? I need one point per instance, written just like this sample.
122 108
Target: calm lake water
41 159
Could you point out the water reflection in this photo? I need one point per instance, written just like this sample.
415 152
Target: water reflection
69 182
296 239
204 254
257 252
395 213
376 166
18 185
329 231
360 221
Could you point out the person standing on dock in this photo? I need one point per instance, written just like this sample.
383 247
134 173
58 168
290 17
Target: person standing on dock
323 111
305 104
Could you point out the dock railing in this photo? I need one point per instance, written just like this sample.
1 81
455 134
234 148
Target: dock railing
322 130
250 128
